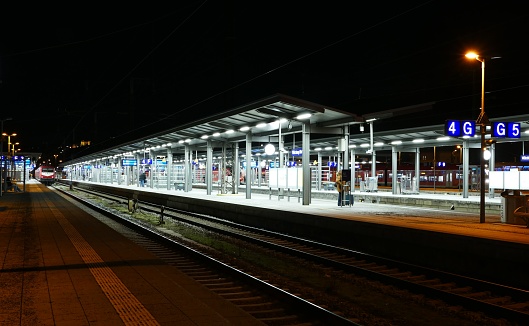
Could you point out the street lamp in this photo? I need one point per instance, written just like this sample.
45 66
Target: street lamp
8 145
9 141
482 121
2 162
13 148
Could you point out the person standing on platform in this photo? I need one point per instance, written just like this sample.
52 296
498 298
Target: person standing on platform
143 177
339 186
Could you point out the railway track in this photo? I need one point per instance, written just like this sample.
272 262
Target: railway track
495 300
266 302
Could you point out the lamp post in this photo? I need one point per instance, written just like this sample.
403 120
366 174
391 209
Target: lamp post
482 121
13 148
2 161
8 143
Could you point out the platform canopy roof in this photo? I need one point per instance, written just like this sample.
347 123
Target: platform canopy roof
327 124
423 136
261 117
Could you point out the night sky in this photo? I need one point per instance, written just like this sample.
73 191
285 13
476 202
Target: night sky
107 74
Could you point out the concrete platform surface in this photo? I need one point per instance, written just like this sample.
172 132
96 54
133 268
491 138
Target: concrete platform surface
418 214
59 266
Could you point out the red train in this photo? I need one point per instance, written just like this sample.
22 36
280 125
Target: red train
45 174
442 176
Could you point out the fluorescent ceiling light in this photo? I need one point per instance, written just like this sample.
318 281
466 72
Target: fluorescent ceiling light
303 116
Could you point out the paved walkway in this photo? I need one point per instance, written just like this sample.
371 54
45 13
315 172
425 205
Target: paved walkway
60 266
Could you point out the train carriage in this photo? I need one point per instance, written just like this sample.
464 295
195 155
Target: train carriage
45 174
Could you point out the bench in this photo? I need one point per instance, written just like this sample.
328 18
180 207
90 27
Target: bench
179 186
281 193
326 185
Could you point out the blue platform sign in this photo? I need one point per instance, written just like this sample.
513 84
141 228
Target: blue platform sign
506 129
524 158
128 162
458 128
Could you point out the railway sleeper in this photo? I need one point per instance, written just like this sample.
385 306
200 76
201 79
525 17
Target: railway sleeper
257 306
478 295
198 273
349 261
520 306
404 275
225 290
187 264
378 268
462 290
366 265
246 300
332 256
280 320
499 300
235 295
429 282
275 312
390 271
215 282
445 286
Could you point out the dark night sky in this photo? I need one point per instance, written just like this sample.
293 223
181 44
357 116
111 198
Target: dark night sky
67 71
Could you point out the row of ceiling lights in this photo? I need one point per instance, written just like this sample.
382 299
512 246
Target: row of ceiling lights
364 145
261 125
275 124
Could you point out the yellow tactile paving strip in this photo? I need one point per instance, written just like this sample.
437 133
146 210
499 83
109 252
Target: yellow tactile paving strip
129 308
50 274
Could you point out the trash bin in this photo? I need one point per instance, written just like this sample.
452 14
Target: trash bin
509 202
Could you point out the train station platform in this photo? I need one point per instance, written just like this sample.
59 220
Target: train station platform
435 230
440 211
59 266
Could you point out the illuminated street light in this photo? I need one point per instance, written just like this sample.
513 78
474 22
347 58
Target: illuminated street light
13 148
9 141
482 121
2 154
